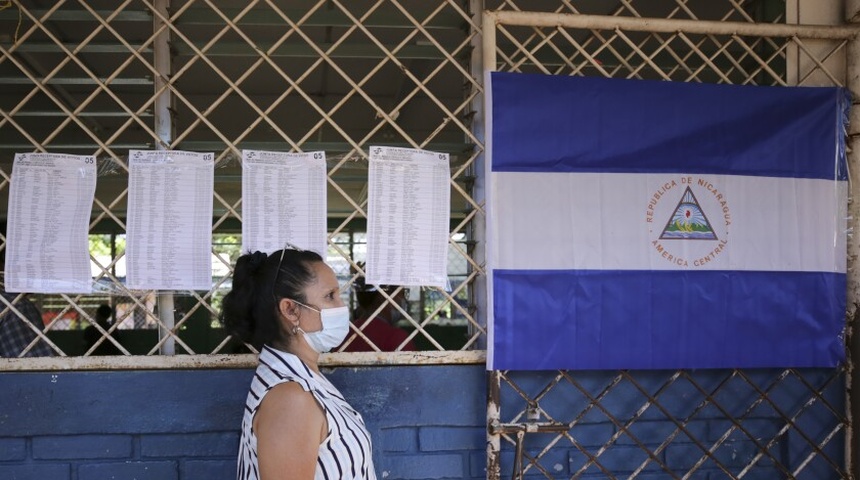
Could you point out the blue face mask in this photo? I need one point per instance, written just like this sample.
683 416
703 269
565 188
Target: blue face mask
335 327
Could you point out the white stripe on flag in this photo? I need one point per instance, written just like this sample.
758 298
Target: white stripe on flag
615 221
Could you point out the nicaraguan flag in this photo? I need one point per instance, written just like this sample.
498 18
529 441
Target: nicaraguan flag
646 225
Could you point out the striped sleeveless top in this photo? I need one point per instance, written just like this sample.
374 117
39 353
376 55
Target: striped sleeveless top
346 451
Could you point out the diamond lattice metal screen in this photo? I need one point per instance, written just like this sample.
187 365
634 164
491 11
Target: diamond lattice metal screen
101 77
686 424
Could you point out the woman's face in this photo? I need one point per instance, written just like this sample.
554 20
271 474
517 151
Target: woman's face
320 294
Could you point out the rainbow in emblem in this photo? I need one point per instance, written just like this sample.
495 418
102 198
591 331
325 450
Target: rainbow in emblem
689 221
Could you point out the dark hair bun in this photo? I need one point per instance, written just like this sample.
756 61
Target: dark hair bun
255 261
247 267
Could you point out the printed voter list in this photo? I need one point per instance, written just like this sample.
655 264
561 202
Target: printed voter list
50 201
283 201
408 216
170 220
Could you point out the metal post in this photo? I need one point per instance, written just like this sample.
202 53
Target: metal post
164 129
670 25
483 67
478 225
488 60
852 445
161 62
493 421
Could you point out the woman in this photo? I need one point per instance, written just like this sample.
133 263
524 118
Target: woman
296 424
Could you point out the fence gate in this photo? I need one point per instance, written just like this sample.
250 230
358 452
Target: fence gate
762 424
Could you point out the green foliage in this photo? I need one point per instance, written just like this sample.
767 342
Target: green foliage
100 245
228 245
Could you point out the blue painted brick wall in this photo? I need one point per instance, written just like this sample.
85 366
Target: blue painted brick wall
54 471
401 439
427 422
209 469
184 425
12 449
82 447
137 470
218 444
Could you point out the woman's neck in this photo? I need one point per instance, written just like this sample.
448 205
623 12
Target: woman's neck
300 348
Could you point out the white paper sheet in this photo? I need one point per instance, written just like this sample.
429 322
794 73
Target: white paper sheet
408 217
283 200
169 226
50 201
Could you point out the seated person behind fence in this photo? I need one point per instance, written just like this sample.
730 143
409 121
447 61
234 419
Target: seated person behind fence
15 334
382 329
92 334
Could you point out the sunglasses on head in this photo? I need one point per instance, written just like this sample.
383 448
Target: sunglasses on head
290 246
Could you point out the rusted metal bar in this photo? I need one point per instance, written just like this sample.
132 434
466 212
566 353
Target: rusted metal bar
520 430
177 362
852 376
671 25
529 427
493 416
518 456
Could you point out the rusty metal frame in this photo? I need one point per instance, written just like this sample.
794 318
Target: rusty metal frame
155 116
602 31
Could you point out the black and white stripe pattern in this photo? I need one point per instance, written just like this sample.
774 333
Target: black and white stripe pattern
344 454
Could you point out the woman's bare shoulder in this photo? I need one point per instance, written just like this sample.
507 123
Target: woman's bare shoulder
289 397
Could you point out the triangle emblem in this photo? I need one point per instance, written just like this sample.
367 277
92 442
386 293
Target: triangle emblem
689 221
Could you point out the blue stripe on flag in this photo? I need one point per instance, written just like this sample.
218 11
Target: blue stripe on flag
662 319
546 123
